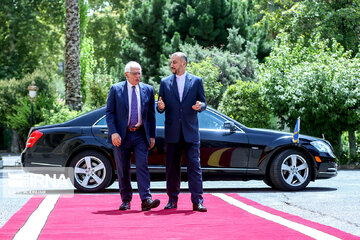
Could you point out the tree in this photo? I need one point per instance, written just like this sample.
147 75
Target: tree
208 23
73 96
107 28
232 66
314 81
146 28
31 36
335 19
15 107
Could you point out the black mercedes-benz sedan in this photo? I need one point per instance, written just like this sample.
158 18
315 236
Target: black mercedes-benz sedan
229 151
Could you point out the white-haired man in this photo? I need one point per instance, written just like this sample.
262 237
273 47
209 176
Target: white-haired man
130 116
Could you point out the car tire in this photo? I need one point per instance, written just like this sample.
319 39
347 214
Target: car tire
113 179
290 171
92 171
268 181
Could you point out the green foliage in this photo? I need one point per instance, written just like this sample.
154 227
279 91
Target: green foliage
345 156
98 89
232 67
208 22
245 102
107 29
156 28
146 27
209 73
58 113
12 90
339 20
84 18
31 36
20 121
88 64
317 82
205 21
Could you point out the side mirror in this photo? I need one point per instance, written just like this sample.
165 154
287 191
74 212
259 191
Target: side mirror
230 125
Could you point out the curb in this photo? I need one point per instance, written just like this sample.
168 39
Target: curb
349 167
10 160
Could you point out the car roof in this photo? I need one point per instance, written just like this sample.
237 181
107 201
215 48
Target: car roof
86 119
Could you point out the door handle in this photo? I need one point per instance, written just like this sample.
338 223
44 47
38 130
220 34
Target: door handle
104 130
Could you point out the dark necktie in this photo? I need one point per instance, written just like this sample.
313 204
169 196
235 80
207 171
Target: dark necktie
134 109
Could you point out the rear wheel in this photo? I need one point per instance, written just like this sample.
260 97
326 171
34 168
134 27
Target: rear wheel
290 171
268 182
92 171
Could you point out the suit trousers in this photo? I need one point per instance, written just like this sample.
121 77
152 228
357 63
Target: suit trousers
134 142
173 169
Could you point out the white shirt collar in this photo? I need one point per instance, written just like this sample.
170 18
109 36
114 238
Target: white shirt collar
129 85
181 77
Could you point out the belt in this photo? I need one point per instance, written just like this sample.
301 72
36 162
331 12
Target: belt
133 129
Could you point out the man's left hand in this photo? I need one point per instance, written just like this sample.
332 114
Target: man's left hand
152 143
197 106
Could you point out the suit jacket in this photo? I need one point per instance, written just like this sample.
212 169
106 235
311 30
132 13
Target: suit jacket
180 115
117 110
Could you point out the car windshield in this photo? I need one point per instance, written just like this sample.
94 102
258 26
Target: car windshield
210 120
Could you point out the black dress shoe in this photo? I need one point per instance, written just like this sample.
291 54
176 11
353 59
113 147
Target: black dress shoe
199 207
171 205
125 206
148 204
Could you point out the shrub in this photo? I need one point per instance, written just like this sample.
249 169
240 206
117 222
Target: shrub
59 113
12 90
98 89
245 103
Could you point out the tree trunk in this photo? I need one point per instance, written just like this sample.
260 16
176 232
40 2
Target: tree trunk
73 96
15 142
352 146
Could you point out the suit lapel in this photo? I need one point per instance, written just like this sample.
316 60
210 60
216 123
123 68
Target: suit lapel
126 97
174 87
187 85
142 97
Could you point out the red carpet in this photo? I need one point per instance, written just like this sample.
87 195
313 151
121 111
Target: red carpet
97 217
19 218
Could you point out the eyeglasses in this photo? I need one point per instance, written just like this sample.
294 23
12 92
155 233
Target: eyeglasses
135 73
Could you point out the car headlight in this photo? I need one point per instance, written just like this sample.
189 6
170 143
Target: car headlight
323 147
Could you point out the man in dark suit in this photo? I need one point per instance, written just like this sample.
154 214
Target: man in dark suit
181 97
130 116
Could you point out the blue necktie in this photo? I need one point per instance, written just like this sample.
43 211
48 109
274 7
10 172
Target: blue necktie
134 109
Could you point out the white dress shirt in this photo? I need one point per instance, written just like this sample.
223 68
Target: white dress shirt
137 90
180 80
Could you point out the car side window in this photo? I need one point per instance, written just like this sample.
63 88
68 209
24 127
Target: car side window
102 122
210 120
207 120
160 119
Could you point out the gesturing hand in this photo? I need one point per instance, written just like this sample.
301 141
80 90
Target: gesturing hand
197 106
161 104
116 139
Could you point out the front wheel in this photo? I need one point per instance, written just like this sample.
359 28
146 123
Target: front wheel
92 171
290 171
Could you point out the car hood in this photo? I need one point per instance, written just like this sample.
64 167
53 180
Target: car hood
280 134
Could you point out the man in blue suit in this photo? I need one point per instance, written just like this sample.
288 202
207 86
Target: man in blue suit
181 97
130 116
